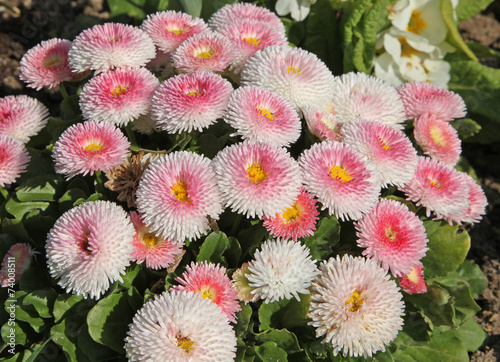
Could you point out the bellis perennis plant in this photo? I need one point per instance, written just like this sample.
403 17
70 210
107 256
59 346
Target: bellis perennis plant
210 191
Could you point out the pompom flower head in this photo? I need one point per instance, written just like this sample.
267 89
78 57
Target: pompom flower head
322 124
118 96
22 117
257 178
281 270
175 195
109 46
413 282
190 101
355 306
14 159
180 326
89 147
260 115
477 203
15 263
89 247
242 284
211 282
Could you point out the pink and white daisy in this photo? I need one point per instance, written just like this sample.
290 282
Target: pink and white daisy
14 159
205 51
190 101
158 253
477 203
118 96
322 124
438 139
15 263
257 178
168 29
180 326
356 306
109 46
343 181
413 282
22 117
295 74
423 97
248 36
296 221
89 247
389 149
175 195
393 235
260 115
438 187
89 147
281 270
211 282
360 96
46 65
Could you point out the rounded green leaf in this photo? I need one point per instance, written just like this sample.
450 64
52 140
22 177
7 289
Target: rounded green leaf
270 352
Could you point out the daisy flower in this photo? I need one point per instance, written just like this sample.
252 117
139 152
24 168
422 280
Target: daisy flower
322 124
423 97
205 51
438 187
89 247
389 149
168 29
242 284
260 115
119 96
343 181
413 282
175 195
356 306
88 147
295 74
281 270
180 326
211 282
393 235
477 203
360 96
109 46
190 101
438 139
296 221
14 159
158 253
257 178
15 263
22 117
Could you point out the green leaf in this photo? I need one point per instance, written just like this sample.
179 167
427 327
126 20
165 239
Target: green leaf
448 248
12 330
131 8
42 300
209 145
453 37
40 188
65 334
213 247
284 313
70 109
233 252
25 313
435 305
37 348
483 51
211 6
468 8
466 127
64 303
69 198
95 352
472 274
270 352
462 302
471 334
192 7
282 337
243 320
19 209
325 237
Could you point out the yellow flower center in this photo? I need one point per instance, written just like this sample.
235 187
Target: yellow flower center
435 184
118 91
391 234
204 55
256 174
93 147
291 69
384 145
150 239
195 93
291 213
186 344
252 41
354 301
52 62
207 292
416 24
406 49
437 136
266 113
180 192
338 172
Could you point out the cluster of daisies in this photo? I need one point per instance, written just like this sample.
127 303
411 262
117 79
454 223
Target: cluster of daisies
239 68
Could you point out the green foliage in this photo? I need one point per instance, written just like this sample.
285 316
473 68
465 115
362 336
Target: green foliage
468 8
453 36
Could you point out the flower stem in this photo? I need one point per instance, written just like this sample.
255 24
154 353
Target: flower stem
99 182
131 137
62 89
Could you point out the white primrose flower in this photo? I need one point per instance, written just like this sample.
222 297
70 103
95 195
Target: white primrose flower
298 9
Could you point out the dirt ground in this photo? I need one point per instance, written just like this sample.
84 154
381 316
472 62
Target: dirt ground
41 20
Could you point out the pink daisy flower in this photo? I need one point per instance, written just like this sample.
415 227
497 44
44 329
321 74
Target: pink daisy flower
88 147
389 149
248 36
168 29
257 178
295 74
205 51
211 282
190 101
14 159
175 195
111 45
477 203
343 181
118 96
15 263
260 115
322 124
413 282
438 139
438 187
158 253
393 235
296 221
22 117
46 65
423 97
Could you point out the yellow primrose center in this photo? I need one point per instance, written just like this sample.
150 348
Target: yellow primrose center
186 344
437 136
204 55
406 49
52 62
118 91
340 174
256 174
180 192
355 301
291 69
252 41
266 113
416 24
93 147
291 213
207 292
150 239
